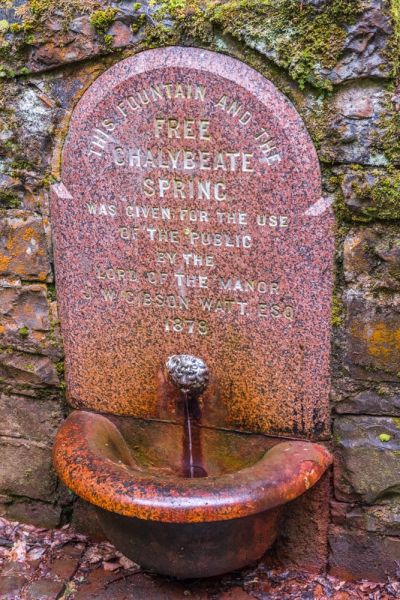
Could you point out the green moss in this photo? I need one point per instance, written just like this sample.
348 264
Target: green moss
4 26
139 22
303 40
395 14
9 200
23 331
385 196
385 437
390 140
159 35
396 421
60 368
51 292
108 40
337 310
103 19
38 7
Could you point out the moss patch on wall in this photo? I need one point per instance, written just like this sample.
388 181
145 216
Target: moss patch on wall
383 197
395 14
302 39
103 19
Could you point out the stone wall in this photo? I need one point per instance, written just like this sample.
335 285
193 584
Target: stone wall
337 61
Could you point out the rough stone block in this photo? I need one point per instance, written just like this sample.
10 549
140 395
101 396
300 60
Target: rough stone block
354 125
26 469
372 193
365 49
23 246
20 369
302 539
25 316
383 519
360 555
373 337
367 466
29 418
384 401
25 510
84 520
372 257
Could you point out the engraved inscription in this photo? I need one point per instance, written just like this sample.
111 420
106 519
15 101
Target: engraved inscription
182 239
190 221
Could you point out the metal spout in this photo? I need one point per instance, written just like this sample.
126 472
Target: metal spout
189 374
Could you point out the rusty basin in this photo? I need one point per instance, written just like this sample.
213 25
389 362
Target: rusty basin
133 472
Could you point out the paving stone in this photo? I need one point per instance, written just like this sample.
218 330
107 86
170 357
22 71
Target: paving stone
44 589
66 563
10 587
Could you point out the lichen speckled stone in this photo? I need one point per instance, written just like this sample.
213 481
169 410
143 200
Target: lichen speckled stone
189 220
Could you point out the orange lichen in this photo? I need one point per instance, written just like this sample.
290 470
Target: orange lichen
383 341
4 263
30 233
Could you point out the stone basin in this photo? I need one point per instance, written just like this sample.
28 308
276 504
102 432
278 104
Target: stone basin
132 471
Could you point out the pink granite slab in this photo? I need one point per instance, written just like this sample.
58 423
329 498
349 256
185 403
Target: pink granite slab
189 220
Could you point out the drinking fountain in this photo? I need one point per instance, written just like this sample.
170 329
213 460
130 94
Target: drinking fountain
192 523
193 255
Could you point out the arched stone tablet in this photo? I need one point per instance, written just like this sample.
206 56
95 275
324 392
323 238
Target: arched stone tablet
189 220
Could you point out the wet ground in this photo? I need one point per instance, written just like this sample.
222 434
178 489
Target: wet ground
40 564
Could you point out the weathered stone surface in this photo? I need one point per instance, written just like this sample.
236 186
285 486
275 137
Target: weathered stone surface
365 50
23 246
302 538
373 336
28 418
124 292
10 586
367 466
357 39
383 519
384 401
360 555
372 193
26 469
63 566
372 258
43 589
84 520
354 125
25 316
62 47
356 116
20 369
25 510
